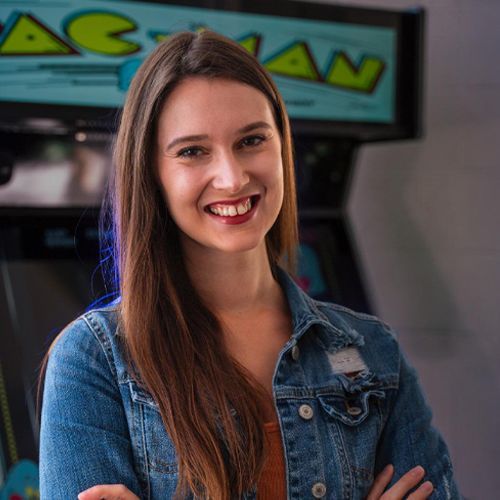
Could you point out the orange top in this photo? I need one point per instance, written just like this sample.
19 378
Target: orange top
272 484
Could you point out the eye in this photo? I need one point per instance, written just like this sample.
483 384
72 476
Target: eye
252 140
190 152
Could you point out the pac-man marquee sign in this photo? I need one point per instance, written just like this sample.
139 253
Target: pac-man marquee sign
86 52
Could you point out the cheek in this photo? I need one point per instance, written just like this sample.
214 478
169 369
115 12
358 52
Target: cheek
280 193
279 185
164 190
269 166
276 171
181 192
273 177
175 185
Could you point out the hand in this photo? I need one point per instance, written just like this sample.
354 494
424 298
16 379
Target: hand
108 492
399 489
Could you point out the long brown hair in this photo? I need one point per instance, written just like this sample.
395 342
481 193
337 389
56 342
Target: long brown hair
210 406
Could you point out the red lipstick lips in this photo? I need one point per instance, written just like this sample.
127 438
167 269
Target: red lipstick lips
223 209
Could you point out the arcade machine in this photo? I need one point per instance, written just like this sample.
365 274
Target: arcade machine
348 76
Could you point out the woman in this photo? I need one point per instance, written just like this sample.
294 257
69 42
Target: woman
214 376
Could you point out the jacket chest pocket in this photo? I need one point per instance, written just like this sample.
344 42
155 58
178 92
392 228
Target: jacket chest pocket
153 444
355 421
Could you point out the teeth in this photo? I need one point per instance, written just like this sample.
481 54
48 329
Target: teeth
232 210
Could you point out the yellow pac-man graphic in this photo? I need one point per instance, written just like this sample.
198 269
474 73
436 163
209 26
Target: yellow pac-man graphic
100 32
342 72
24 35
251 43
103 32
295 61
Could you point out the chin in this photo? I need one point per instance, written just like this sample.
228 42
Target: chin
228 244
238 247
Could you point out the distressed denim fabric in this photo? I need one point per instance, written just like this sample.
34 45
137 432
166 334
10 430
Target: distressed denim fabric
338 429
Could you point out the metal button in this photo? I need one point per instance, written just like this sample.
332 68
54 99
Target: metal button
354 410
295 352
319 490
306 412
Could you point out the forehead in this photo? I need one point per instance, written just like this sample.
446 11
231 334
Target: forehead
208 105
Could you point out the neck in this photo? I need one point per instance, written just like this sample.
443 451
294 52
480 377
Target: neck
234 284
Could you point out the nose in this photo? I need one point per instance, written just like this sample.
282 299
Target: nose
230 174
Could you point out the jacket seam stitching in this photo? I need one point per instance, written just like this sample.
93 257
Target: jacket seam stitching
104 343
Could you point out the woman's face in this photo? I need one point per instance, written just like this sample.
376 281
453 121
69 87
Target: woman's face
219 164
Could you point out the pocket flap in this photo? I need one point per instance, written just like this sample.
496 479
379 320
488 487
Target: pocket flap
140 395
351 409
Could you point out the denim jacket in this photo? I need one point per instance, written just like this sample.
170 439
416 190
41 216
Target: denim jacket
347 400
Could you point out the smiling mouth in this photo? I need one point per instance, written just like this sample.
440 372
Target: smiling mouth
238 207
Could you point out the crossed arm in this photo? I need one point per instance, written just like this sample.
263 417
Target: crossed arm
396 492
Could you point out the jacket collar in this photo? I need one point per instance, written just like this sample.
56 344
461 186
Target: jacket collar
332 331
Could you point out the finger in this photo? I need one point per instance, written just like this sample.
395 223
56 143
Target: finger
423 492
380 483
108 492
406 483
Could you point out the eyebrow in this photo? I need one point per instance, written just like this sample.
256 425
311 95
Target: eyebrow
195 138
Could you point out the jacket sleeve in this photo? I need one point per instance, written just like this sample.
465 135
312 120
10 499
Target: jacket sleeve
409 439
84 437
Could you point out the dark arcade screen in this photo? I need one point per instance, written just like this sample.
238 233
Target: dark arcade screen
348 75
